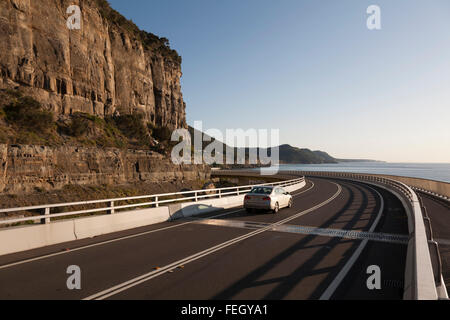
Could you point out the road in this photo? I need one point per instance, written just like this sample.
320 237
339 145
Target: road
319 249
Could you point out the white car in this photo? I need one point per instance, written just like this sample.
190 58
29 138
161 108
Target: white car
267 198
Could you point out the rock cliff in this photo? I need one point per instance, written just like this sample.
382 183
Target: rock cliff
108 66
24 168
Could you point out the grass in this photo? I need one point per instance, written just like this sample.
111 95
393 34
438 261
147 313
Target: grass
24 121
27 114
132 126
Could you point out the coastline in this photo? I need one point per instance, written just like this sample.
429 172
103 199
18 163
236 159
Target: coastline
430 171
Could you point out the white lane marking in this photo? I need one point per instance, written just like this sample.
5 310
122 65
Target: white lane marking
308 230
312 187
328 293
153 274
127 237
107 242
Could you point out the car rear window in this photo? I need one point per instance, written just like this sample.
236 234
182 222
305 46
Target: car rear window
261 190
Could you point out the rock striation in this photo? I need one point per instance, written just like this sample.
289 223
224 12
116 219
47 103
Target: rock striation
24 168
106 67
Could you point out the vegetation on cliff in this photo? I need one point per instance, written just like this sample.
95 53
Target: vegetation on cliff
24 121
149 40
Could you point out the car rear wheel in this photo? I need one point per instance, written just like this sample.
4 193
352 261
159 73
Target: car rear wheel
277 208
290 203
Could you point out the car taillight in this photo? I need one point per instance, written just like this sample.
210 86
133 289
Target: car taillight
266 199
247 197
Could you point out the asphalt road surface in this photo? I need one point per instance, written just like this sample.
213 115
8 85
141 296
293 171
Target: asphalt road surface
319 249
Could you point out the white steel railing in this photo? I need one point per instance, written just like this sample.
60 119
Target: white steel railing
157 200
433 194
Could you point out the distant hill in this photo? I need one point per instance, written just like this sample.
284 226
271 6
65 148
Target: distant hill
293 155
290 154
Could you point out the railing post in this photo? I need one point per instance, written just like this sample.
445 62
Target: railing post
111 205
220 193
157 202
46 220
196 196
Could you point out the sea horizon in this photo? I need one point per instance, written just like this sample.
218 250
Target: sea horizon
422 170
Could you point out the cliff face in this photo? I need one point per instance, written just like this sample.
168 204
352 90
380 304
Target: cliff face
24 168
101 69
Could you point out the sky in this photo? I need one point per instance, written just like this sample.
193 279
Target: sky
315 71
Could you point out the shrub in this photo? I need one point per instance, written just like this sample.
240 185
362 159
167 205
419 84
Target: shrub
91 130
13 93
151 128
132 126
79 125
149 40
162 134
27 113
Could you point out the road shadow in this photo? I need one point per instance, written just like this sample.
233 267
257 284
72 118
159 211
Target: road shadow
287 283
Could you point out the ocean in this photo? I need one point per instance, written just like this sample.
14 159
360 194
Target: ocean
431 171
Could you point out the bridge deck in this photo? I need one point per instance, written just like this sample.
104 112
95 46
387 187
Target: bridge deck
242 257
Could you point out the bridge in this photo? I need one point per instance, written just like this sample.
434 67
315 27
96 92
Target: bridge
203 245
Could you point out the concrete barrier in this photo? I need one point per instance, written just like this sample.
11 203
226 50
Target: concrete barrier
98 225
37 236
438 187
295 187
32 237
201 207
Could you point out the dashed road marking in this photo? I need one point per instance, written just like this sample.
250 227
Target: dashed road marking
339 233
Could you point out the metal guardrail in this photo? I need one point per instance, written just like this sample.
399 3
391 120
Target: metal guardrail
431 193
154 201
